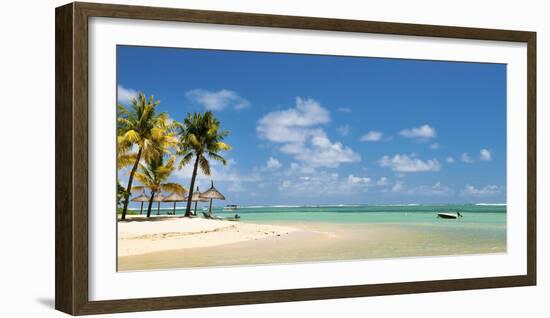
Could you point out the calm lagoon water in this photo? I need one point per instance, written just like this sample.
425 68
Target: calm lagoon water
474 215
347 233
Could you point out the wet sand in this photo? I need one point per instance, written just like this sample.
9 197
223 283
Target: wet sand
313 242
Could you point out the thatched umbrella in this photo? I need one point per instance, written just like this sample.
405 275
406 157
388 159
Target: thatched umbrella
142 198
159 197
197 197
174 197
211 194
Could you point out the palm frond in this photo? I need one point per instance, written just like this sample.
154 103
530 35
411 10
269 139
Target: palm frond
193 140
174 187
222 146
217 157
122 111
157 133
185 160
138 188
126 159
125 122
170 162
204 165
131 136
142 178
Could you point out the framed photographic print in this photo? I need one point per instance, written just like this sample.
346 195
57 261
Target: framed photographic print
211 158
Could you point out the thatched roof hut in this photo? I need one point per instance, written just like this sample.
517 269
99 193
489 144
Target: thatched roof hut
174 197
211 194
159 197
141 198
197 197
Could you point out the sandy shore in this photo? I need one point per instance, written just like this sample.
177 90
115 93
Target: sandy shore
139 235
253 244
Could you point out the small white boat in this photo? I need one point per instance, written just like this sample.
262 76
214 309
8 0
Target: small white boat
230 207
449 215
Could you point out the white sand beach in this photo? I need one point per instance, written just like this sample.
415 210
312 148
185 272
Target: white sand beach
139 235
170 242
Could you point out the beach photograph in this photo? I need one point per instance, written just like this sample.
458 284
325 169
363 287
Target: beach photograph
237 158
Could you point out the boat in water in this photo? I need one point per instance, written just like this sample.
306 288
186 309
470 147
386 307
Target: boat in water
206 215
230 207
449 215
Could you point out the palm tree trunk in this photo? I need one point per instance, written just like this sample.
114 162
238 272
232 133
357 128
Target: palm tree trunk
150 204
191 188
129 187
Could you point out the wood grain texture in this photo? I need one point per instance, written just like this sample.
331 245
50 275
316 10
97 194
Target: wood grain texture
72 157
64 235
297 22
246 298
80 146
532 159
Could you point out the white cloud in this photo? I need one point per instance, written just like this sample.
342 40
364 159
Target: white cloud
236 187
344 130
431 190
298 132
487 190
485 155
450 159
466 158
273 164
372 136
293 124
217 100
344 109
301 168
383 181
321 152
358 180
434 146
397 187
125 95
422 132
405 163
323 183
439 188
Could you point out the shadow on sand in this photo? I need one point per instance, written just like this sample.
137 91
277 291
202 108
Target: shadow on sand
155 218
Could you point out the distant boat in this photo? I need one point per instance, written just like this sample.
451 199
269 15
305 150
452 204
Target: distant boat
449 215
230 207
236 217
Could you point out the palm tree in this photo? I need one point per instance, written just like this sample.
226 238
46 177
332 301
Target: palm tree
200 137
153 174
140 126
125 153
120 192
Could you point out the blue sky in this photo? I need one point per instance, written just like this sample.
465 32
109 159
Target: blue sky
309 129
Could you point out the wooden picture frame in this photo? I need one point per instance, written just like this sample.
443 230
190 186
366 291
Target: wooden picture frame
71 108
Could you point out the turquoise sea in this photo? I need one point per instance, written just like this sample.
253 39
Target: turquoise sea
349 232
473 213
